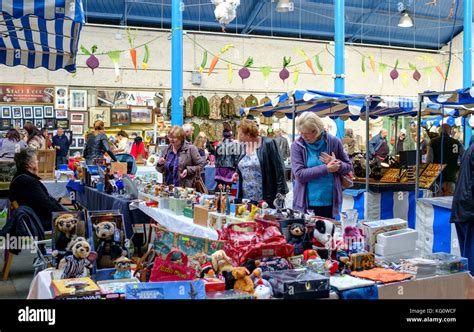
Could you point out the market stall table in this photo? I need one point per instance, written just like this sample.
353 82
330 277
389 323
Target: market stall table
175 223
93 200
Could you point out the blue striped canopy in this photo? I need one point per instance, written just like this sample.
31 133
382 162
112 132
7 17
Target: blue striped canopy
40 33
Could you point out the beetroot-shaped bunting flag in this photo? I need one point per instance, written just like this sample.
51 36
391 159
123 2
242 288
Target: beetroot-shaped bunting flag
416 74
394 73
115 58
244 72
146 57
92 62
284 73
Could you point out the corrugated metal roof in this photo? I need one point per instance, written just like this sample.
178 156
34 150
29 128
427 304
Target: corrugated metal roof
366 21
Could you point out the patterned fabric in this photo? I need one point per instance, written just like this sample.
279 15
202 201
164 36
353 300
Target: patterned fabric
189 107
227 107
196 131
366 293
75 268
210 131
215 107
251 172
269 264
239 102
201 107
251 101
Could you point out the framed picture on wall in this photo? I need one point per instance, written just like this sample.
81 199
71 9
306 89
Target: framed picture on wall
141 115
48 112
38 112
49 123
6 112
67 133
62 123
120 117
18 123
77 129
80 142
78 100
61 114
5 124
73 142
99 113
76 117
39 123
17 112
27 112
60 98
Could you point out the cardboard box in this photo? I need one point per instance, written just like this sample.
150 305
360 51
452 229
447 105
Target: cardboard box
372 228
230 294
177 205
201 215
216 221
115 289
214 285
76 288
174 290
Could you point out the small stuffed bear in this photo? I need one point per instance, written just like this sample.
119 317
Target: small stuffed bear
68 226
78 260
297 237
107 249
323 237
222 265
122 268
242 280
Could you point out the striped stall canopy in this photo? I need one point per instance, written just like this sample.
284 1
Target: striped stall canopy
40 33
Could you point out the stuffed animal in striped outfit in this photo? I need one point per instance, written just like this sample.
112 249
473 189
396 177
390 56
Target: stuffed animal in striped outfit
79 260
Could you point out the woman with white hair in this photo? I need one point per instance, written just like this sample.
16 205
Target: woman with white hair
318 161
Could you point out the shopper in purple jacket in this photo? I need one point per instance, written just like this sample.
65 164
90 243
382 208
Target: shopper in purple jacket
318 161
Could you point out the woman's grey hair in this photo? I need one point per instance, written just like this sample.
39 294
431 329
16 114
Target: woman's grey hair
24 158
310 122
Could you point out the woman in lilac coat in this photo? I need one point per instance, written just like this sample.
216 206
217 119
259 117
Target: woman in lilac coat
318 161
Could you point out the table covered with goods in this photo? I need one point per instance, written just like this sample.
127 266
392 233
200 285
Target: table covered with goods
212 247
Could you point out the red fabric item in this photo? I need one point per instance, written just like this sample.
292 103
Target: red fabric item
138 149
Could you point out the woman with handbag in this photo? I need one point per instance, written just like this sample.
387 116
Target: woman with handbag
180 162
319 164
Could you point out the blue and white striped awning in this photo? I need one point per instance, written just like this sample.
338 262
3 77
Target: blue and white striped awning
40 33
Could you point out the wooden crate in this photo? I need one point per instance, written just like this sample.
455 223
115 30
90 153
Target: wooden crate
46 164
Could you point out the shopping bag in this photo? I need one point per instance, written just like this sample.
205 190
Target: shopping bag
167 270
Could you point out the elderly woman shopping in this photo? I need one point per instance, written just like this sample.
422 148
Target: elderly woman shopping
319 161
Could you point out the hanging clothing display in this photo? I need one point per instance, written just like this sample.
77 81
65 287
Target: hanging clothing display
215 105
168 107
239 102
201 107
263 119
209 130
251 101
227 107
189 107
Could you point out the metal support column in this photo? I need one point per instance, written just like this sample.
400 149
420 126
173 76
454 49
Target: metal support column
177 62
339 38
467 60
367 155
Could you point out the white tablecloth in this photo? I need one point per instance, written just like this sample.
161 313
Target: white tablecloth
56 189
40 287
175 223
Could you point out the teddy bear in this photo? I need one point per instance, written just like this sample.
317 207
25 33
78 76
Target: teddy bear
122 268
222 265
243 281
297 233
78 260
68 226
323 238
107 249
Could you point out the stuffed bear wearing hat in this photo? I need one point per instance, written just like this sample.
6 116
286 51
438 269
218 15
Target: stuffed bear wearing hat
79 258
107 249
243 281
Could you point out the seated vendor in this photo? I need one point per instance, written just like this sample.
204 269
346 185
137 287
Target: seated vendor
27 189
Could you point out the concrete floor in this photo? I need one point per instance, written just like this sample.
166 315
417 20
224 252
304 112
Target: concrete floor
21 275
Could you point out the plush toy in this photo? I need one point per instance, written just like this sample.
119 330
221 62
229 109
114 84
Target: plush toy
251 265
207 271
253 212
68 226
107 249
122 268
243 281
297 237
79 258
310 254
221 262
353 239
323 237
263 290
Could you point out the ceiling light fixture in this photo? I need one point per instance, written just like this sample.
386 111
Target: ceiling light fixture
405 20
285 6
